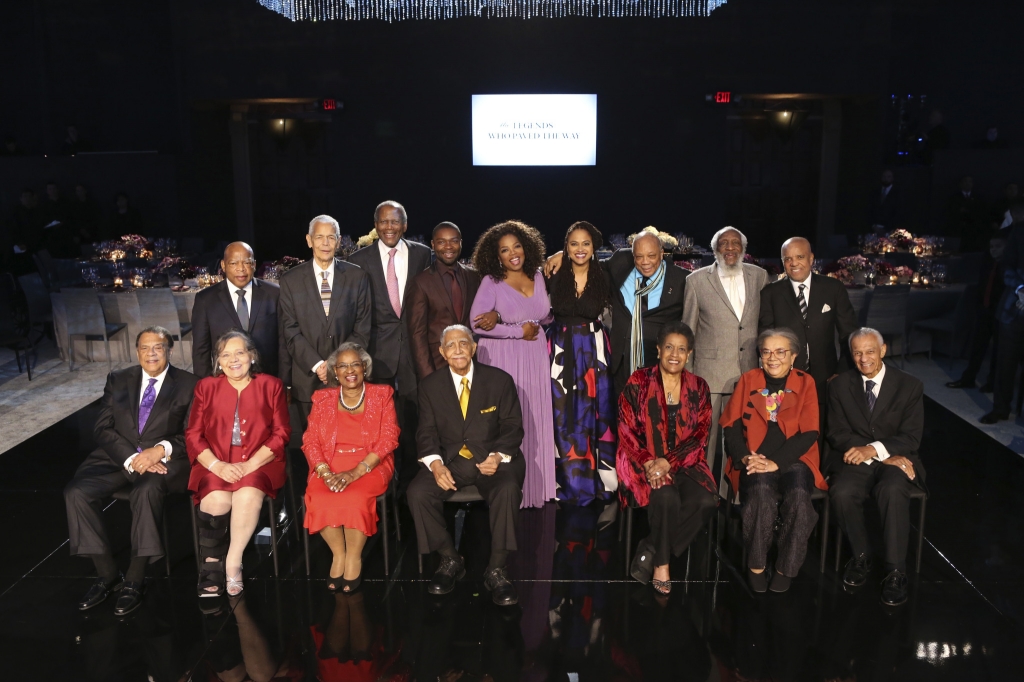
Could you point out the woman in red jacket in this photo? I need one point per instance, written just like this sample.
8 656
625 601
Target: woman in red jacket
771 437
349 443
236 438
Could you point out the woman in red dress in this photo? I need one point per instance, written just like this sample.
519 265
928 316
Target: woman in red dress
350 440
236 437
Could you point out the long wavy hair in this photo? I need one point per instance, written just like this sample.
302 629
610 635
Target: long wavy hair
563 284
485 255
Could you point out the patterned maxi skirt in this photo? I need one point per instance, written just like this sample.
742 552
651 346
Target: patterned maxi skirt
584 411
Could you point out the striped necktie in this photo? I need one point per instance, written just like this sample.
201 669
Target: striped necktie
325 293
464 404
802 300
869 393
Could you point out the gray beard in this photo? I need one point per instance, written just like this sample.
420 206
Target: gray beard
730 270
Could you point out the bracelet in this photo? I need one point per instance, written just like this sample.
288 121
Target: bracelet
320 470
368 469
215 463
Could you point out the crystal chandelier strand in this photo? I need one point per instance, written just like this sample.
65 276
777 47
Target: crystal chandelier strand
437 10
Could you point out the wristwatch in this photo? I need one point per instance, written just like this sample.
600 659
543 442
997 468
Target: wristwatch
505 459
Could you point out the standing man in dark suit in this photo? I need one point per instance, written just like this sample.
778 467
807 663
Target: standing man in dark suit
1010 315
885 210
324 302
986 325
470 433
240 302
392 264
876 419
440 296
141 436
813 307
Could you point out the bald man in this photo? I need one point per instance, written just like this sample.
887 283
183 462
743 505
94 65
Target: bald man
815 308
239 302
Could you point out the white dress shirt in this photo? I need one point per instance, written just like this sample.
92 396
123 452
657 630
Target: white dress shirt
457 381
319 280
401 265
233 290
735 289
883 454
156 393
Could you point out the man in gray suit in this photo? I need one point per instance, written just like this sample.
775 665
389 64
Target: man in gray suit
324 302
721 305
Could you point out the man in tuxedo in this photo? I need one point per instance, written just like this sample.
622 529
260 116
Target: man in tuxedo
986 304
470 433
723 301
876 419
239 302
392 264
141 436
440 296
885 207
813 307
324 302
1010 315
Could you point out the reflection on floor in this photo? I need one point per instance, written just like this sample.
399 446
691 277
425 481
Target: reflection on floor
579 617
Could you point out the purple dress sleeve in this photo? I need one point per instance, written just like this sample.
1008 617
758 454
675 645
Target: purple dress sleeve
488 299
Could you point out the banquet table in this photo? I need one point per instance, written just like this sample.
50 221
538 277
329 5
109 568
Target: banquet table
924 304
123 308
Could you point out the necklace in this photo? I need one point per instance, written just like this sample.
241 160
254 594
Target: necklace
341 399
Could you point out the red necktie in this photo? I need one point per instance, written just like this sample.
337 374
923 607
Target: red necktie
456 294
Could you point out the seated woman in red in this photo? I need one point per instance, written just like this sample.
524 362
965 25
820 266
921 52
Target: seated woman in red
349 443
236 438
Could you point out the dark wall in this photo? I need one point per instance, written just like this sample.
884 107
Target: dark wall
146 76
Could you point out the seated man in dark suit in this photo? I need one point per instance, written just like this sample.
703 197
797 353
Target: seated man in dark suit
239 302
470 433
876 419
141 437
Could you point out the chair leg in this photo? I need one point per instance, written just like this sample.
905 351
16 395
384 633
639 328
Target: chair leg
384 538
71 354
398 520
824 535
28 364
17 356
167 542
110 360
629 537
419 558
195 531
305 542
839 545
920 535
269 504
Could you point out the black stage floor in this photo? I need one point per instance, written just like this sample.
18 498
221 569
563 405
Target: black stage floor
579 616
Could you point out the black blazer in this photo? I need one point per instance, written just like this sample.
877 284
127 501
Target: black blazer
308 335
494 418
897 420
214 314
670 309
888 211
389 336
780 309
117 426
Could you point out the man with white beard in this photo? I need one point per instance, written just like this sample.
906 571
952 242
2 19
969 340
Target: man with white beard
721 305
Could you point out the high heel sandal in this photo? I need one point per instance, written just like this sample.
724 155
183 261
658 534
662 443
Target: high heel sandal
351 586
235 583
213 544
661 586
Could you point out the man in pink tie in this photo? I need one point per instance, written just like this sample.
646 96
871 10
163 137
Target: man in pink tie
392 264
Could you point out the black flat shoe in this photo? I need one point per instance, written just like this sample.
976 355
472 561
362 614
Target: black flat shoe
98 593
894 589
780 583
959 383
857 570
758 581
448 573
129 599
993 417
503 592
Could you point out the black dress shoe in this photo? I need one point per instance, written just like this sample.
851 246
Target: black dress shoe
959 383
129 599
758 581
448 573
780 583
857 570
894 589
993 417
98 593
503 592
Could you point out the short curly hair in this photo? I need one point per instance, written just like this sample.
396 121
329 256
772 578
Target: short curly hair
485 255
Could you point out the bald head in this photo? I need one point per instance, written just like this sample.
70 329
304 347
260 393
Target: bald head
797 258
239 264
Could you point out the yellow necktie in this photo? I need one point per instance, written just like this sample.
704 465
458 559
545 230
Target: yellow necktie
464 404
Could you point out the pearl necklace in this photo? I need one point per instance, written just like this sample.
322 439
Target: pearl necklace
341 399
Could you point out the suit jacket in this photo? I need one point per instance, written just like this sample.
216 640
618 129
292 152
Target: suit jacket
725 346
389 333
429 310
494 418
780 309
310 336
888 211
897 420
1013 274
117 426
214 314
670 308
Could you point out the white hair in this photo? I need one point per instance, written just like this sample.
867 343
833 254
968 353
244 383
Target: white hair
718 235
866 331
456 327
325 219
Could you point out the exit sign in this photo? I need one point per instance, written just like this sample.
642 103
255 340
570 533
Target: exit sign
722 97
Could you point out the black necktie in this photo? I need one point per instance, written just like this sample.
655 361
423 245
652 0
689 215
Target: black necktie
802 300
869 393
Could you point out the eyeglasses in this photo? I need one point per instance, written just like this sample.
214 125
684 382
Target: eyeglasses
345 366
780 353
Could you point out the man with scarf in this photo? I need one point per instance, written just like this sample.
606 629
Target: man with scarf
722 304
647 294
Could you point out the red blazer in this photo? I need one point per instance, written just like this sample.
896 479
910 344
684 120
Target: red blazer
799 412
262 414
380 428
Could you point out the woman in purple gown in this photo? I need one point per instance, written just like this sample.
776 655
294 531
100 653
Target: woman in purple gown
508 257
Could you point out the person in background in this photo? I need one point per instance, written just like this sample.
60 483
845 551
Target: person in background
992 139
771 437
25 227
125 219
508 257
1000 213
73 142
989 294
237 433
60 236
1010 342
966 218
885 210
581 379
86 217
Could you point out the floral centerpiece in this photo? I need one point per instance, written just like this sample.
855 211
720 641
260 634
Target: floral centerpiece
888 271
175 265
901 239
368 238
346 247
854 263
668 242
